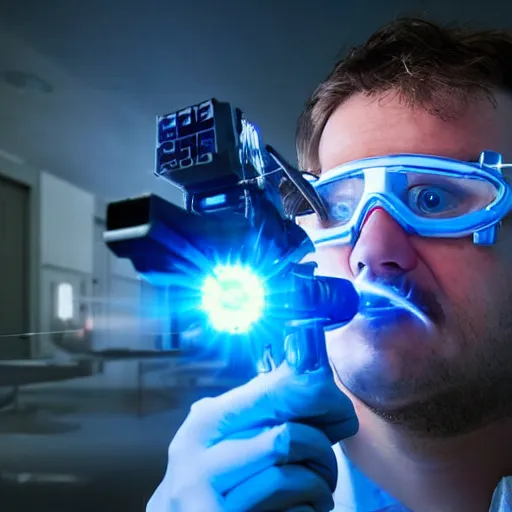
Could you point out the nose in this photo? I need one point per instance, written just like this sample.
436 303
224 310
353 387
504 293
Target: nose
383 247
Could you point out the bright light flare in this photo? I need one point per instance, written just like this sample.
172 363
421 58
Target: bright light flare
233 297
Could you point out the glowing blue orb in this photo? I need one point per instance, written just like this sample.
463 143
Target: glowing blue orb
234 298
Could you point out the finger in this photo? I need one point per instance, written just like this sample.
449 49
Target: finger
197 498
269 399
281 488
235 460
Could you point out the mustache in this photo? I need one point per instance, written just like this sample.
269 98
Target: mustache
404 289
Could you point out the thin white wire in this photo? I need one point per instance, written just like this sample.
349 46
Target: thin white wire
251 180
31 334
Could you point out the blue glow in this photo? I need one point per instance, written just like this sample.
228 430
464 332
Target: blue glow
396 301
369 290
233 297
215 200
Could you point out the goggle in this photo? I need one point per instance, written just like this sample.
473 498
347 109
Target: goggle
428 196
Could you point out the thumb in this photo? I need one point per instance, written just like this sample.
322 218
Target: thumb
274 398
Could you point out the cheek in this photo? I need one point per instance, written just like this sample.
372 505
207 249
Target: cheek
468 277
332 261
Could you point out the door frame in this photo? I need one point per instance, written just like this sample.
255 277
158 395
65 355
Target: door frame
29 177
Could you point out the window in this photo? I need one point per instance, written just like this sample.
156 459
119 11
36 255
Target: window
64 302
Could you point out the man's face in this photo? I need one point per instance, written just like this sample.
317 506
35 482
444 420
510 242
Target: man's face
449 376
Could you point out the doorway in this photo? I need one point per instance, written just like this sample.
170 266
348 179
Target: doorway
14 269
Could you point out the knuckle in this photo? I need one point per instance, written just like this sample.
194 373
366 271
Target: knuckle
291 437
281 445
175 495
200 407
179 454
172 495
173 451
200 412
164 498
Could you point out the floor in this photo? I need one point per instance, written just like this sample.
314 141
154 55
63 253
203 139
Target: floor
87 450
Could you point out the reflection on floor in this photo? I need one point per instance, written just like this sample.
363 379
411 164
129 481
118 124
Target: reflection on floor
87 450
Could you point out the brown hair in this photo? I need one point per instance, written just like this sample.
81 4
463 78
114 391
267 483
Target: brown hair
437 68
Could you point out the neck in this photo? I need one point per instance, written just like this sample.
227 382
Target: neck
428 475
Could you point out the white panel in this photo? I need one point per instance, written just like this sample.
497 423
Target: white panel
67 220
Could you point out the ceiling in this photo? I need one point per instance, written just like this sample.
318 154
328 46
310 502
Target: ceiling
113 66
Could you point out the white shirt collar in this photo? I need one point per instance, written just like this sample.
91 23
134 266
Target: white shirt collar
357 493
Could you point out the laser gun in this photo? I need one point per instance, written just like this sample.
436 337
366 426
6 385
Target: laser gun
231 255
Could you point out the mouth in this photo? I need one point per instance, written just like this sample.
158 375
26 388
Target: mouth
381 300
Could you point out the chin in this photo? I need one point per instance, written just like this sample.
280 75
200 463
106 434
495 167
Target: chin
379 358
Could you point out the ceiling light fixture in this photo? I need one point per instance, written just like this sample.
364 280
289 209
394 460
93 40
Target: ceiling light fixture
26 82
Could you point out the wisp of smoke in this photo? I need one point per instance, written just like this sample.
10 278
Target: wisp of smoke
390 295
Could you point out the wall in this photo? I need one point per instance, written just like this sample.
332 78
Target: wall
66 225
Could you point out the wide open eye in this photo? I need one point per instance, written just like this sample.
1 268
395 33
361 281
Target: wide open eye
434 200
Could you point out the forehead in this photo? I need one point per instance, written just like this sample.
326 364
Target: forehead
381 125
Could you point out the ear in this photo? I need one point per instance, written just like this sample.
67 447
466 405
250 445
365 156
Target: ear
308 222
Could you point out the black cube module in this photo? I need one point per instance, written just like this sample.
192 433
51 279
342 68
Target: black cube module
213 153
